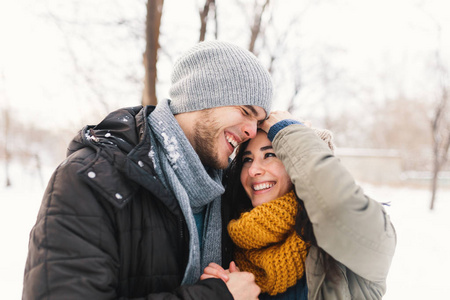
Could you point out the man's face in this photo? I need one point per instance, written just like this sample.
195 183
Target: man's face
218 131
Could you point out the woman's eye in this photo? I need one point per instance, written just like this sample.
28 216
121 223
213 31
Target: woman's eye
246 160
270 154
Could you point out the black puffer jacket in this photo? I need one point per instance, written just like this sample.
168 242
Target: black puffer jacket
107 228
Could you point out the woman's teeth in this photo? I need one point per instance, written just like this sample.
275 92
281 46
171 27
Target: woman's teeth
263 186
231 140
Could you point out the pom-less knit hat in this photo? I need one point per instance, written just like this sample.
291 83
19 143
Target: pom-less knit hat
214 73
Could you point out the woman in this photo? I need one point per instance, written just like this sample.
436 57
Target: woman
313 233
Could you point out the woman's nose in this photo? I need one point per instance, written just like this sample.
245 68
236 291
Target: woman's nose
255 170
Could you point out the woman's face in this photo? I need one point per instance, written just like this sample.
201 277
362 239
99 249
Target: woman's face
263 175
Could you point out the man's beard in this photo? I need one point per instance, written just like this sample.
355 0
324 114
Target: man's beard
204 130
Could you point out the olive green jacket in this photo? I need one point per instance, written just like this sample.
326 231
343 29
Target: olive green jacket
350 226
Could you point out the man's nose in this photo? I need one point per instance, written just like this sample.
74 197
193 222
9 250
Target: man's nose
250 129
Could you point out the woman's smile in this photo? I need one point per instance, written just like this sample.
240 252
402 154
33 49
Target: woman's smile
263 175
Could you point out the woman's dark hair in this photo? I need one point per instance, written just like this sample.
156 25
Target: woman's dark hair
236 201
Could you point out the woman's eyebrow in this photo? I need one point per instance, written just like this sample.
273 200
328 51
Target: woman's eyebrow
260 149
266 148
246 153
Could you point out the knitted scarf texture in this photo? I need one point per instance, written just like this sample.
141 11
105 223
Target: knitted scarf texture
180 170
268 245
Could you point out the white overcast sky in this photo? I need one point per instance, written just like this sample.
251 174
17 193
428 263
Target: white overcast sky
31 61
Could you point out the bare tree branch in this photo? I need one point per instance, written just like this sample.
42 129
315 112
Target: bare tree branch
209 4
256 26
85 75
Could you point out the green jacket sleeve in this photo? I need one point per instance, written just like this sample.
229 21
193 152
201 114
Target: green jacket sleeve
349 225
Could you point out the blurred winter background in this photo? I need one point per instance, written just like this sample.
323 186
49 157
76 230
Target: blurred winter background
374 72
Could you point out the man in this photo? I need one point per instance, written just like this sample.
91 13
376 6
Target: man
134 210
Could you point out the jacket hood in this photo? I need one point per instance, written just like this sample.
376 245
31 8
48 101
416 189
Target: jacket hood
121 144
122 128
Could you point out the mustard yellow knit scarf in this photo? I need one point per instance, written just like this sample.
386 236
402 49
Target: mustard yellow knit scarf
268 246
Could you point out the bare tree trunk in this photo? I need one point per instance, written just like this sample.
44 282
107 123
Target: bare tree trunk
441 140
204 18
153 23
39 168
436 168
6 150
440 159
437 165
256 27
440 125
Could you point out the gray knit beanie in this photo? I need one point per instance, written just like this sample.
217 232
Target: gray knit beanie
214 73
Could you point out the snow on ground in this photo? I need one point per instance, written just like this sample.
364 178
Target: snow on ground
419 269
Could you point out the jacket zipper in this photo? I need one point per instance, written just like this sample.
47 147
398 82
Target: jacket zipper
183 257
181 229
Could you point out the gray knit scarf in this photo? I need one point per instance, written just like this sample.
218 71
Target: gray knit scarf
181 171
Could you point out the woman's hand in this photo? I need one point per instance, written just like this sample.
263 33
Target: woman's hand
277 116
241 285
213 270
